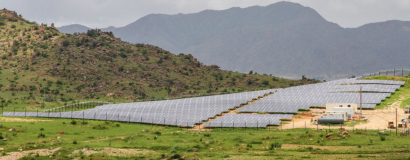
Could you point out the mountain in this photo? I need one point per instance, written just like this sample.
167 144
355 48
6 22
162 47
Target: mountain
284 39
97 65
73 28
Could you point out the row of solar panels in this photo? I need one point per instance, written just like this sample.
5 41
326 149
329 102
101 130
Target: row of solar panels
193 110
247 120
290 100
171 112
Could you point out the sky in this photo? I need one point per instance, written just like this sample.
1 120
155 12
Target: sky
118 13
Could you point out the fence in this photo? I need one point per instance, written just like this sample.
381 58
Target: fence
77 106
388 72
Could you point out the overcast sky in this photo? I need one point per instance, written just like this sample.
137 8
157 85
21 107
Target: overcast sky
118 13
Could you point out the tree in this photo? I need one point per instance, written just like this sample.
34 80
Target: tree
251 72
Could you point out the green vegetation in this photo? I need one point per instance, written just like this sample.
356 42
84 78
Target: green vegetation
401 97
166 141
98 66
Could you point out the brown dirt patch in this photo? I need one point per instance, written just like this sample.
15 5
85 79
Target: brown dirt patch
115 152
18 155
13 119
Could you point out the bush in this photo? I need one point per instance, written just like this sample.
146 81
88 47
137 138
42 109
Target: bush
265 82
74 142
157 132
84 123
117 125
66 43
73 122
176 156
359 146
275 145
13 26
41 129
382 138
41 135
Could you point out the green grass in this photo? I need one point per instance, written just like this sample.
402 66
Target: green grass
215 144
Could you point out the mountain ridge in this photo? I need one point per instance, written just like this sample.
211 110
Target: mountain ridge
284 39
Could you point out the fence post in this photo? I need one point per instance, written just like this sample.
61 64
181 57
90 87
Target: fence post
257 125
394 72
233 125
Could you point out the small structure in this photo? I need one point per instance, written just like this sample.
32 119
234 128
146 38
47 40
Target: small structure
349 108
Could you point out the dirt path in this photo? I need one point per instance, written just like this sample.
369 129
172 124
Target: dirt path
18 155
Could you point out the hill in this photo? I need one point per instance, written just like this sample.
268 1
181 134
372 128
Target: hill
283 39
96 65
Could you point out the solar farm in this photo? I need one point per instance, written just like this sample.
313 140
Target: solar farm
212 111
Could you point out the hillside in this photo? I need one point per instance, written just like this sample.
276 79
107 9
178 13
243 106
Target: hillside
97 65
283 39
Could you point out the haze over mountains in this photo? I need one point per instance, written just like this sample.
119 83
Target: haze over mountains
283 39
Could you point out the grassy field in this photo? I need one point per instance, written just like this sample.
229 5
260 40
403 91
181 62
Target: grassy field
159 142
401 97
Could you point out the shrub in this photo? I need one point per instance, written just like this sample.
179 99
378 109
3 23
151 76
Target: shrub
84 123
275 145
73 122
382 138
41 129
13 26
66 43
176 156
157 132
41 135
74 142
117 125
207 135
265 82
359 146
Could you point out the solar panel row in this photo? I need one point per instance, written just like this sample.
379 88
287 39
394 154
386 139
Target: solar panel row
290 100
184 112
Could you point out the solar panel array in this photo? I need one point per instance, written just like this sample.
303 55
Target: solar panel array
290 100
182 112
247 120
187 112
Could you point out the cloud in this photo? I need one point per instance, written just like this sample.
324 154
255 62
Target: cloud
104 13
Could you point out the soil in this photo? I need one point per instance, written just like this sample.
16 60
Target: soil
12 119
376 119
114 152
18 155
